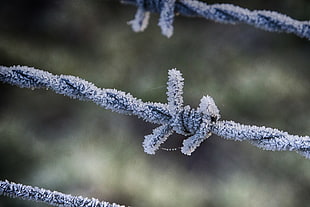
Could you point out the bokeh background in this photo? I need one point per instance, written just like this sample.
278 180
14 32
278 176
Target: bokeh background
256 77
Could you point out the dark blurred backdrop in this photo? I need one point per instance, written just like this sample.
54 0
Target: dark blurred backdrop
255 77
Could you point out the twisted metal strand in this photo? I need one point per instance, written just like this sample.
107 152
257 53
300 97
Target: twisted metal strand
197 123
263 137
53 198
224 13
77 88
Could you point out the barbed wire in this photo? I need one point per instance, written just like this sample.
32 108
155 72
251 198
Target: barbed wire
53 198
198 124
224 13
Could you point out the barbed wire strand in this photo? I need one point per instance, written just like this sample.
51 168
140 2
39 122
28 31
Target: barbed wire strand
224 13
198 124
52 198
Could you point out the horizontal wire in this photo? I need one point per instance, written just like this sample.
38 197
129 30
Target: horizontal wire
224 13
198 123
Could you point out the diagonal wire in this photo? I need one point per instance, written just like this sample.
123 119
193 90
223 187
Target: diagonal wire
52 198
224 13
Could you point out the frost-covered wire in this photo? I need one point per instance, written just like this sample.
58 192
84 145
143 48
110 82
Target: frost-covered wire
223 13
52 198
198 124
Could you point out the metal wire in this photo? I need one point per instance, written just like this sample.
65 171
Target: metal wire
224 13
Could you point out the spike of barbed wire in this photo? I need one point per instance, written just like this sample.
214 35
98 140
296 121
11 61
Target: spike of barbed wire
175 98
141 20
207 106
160 134
225 13
190 144
52 198
175 91
198 124
166 18
153 141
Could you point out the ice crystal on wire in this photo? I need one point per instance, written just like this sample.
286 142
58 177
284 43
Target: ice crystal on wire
263 137
190 144
198 124
175 91
207 106
53 198
166 18
224 13
141 20
160 134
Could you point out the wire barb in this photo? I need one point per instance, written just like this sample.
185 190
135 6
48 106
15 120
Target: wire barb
141 20
223 13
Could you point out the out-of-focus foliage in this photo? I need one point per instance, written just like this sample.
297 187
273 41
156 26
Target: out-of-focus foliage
255 77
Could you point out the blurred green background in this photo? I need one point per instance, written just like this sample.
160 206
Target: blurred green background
255 77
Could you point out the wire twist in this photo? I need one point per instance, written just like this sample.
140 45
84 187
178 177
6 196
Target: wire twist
224 13
197 123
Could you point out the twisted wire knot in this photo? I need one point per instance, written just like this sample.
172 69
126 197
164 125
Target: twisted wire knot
184 120
155 5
